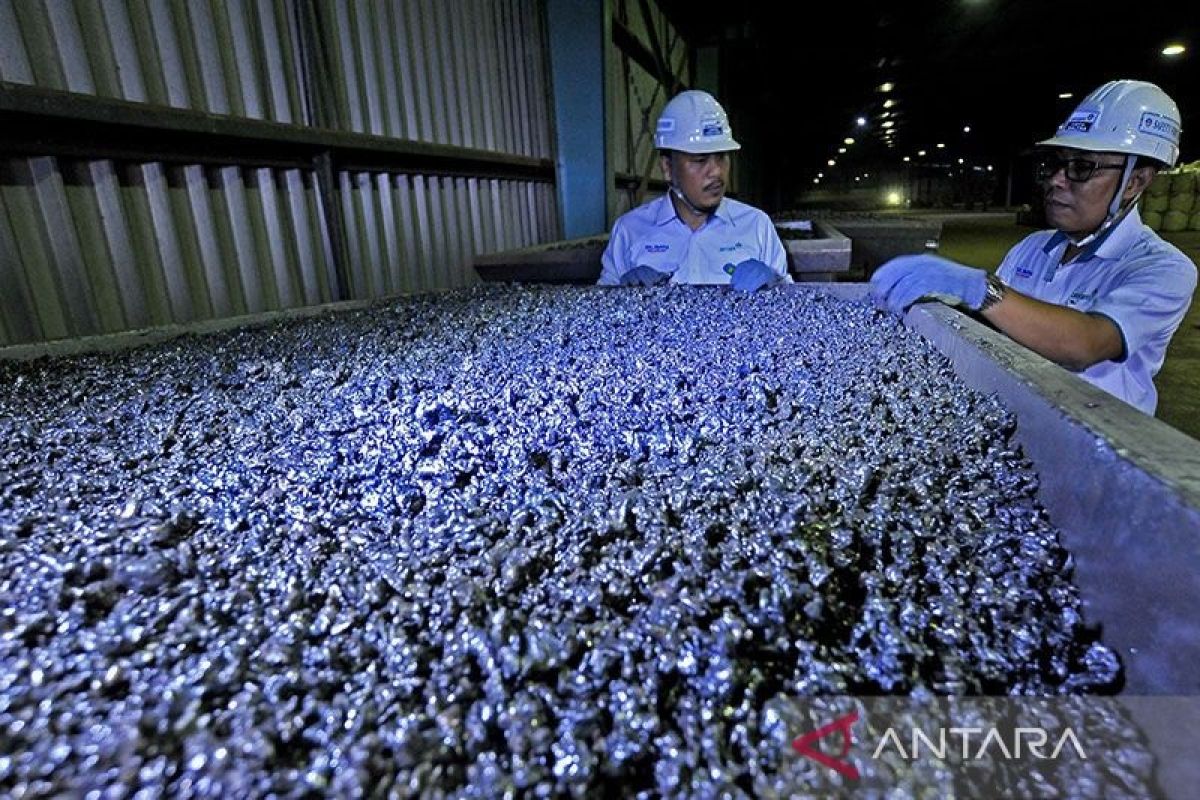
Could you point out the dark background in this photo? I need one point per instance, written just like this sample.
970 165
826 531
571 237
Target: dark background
795 78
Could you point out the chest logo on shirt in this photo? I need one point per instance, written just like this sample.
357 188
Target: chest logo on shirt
1024 272
1081 298
657 248
729 248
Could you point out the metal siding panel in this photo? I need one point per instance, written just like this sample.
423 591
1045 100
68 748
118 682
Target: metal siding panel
428 53
385 66
126 64
367 65
466 229
452 263
359 287
236 58
143 202
440 233
508 121
206 48
34 250
449 88
40 45
81 194
309 218
189 265
345 79
75 55
516 33
114 225
465 83
288 251
369 232
406 89
261 239
67 255
245 273
18 309
278 40
275 239
387 225
485 66
419 76
409 233
202 233
172 62
425 249
14 61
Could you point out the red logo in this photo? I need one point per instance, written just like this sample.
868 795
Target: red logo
804 745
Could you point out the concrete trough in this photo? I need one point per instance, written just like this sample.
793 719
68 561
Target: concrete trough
822 255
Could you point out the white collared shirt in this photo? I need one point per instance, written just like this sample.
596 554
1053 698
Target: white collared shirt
653 235
1132 277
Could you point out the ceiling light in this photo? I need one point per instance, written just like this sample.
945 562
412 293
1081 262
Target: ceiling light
816 180
920 152
886 87
941 145
906 158
960 161
1065 95
861 121
820 174
847 140
888 123
889 103
831 163
1173 50
966 128
841 150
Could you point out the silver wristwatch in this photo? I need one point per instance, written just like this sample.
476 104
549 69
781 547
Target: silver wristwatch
994 293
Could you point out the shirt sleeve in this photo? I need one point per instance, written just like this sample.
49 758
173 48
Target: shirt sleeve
614 262
1150 302
774 256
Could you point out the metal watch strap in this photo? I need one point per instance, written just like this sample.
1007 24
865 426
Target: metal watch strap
994 293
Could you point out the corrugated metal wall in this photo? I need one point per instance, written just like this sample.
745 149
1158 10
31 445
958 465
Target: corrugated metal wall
90 247
640 96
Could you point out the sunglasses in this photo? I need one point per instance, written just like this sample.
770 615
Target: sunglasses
1077 170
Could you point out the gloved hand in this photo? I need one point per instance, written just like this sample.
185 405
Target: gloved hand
644 276
752 275
906 279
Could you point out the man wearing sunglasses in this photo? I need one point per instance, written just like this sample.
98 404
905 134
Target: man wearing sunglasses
1101 294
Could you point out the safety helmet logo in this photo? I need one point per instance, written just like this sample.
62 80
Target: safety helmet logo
1081 121
1158 125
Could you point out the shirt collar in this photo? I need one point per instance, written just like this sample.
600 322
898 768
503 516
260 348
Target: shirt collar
666 210
1113 243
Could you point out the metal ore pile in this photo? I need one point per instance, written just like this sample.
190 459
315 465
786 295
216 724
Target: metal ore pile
543 541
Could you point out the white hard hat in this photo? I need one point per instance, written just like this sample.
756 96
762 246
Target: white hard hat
1133 117
694 122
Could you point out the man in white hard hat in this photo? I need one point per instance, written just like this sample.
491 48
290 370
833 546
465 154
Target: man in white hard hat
694 234
1101 294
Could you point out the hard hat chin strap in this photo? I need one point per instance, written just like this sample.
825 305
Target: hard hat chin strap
699 212
1115 208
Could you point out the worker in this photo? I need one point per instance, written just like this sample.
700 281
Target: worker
1100 294
694 233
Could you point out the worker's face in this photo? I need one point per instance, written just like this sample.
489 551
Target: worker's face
701 177
1079 207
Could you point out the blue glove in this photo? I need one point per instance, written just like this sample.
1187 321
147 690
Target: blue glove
906 279
644 276
752 275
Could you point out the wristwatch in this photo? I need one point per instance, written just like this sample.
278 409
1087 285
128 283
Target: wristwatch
993 294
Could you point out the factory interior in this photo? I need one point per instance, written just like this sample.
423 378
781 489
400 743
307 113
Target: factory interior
359 436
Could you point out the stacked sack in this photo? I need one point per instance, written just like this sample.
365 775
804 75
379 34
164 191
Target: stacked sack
1171 203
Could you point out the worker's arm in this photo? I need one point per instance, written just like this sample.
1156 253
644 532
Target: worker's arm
1067 337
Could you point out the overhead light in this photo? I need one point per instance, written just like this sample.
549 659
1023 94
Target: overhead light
1173 50
960 161
889 103
989 167
966 128
816 180
1065 95
941 145
857 179
893 198
841 150
920 153
831 163
861 121
866 174
847 140
888 123
820 174
906 158
886 87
